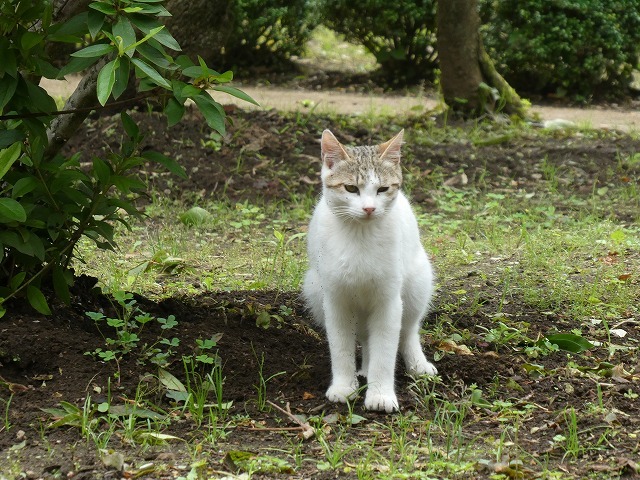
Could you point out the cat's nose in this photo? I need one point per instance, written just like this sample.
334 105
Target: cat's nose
369 210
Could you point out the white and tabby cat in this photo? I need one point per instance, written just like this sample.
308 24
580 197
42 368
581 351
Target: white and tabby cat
369 278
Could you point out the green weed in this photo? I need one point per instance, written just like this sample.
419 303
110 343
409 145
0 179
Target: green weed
128 325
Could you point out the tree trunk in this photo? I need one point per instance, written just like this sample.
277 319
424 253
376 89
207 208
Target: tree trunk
468 76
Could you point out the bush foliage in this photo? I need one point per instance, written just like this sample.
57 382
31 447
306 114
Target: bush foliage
49 202
574 48
266 32
401 35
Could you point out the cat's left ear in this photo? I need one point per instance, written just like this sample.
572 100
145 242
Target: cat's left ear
390 150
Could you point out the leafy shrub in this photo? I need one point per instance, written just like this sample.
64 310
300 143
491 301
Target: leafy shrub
245 33
575 48
267 31
401 35
49 202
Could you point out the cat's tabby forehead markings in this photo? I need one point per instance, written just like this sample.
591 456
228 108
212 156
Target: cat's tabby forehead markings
363 165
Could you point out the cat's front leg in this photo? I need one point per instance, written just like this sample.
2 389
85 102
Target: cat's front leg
384 337
341 335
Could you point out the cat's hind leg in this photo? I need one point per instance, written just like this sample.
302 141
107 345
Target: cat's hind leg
416 300
415 361
313 295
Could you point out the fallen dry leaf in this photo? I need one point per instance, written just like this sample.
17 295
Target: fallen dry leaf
453 347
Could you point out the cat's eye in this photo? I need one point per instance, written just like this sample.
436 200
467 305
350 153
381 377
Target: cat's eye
351 189
383 189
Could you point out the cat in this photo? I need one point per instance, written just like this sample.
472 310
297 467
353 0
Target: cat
369 279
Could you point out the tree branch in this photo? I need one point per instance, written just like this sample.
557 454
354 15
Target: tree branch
127 101
64 126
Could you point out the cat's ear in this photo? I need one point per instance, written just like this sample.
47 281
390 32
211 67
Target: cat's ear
332 150
390 150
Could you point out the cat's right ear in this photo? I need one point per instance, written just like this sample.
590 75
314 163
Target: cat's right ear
331 149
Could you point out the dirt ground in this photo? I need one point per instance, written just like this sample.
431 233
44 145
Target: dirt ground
43 361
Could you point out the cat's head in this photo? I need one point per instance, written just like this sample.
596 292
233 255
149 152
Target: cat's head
360 183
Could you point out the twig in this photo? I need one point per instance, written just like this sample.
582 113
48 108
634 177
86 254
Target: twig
19 116
628 320
307 430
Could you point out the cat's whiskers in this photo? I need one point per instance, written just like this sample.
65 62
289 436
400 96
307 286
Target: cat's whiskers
344 213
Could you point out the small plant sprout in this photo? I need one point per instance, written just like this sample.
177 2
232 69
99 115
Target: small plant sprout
261 386
128 325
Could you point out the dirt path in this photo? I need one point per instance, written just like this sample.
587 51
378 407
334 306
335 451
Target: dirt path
352 103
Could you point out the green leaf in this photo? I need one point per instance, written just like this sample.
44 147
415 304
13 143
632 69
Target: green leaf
127 184
30 39
170 382
155 10
101 171
212 111
76 64
8 62
236 93
24 186
122 77
225 77
154 56
17 280
70 31
8 85
194 216
152 33
151 73
61 285
199 71
92 51
129 125
174 111
8 137
169 163
37 300
125 31
103 7
146 25
569 342
11 211
95 21
8 156
36 246
106 80
47 70
40 100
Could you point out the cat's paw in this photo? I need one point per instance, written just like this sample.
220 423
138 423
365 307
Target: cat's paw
375 400
341 393
422 367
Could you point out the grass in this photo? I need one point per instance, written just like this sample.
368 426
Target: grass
328 49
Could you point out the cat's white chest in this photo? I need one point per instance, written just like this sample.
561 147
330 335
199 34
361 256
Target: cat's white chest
364 256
